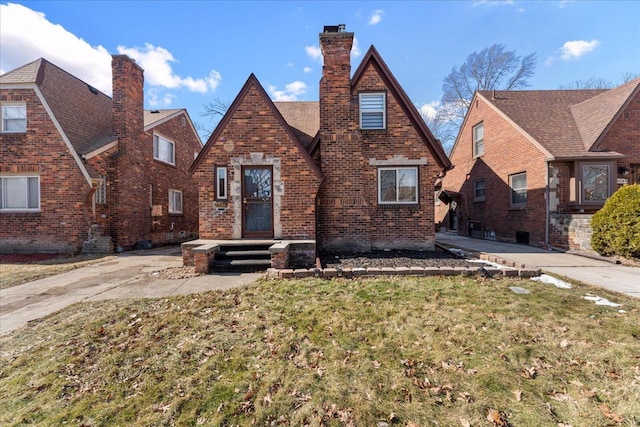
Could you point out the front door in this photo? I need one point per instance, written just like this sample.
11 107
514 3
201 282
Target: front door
257 202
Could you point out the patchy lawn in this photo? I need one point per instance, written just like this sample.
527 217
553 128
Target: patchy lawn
451 351
18 269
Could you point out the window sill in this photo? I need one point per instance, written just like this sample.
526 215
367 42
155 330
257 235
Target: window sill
164 163
399 206
478 200
374 131
518 208
20 211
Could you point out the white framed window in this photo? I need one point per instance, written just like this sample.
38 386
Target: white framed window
14 118
398 185
221 183
175 201
596 183
478 190
163 150
478 139
373 111
101 192
19 193
518 186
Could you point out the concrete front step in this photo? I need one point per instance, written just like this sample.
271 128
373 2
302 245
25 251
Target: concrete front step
242 254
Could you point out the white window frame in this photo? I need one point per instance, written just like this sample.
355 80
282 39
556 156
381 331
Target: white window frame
100 196
172 201
517 190
221 188
583 186
476 189
157 154
478 142
4 119
26 208
397 190
363 97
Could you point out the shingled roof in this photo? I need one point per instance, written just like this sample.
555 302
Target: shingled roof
303 117
83 112
565 123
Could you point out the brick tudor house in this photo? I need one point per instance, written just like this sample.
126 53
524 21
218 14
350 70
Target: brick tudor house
533 166
353 172
82 171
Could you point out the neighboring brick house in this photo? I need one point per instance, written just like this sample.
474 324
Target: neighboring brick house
533 166
354 171
82 171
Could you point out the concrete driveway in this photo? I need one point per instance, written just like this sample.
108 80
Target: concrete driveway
596 272
130 275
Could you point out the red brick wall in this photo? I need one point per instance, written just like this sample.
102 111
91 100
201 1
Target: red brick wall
349 215
506 152
253 128
624 137
64 218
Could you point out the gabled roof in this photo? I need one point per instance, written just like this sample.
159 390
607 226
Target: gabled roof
564 123
303 117
594 116
373 57
252 82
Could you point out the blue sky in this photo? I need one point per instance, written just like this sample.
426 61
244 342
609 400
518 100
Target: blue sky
196 51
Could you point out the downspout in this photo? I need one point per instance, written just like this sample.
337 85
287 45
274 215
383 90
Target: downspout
547 208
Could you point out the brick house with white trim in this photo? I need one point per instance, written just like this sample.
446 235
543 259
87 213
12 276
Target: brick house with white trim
533 166
82 171
355 171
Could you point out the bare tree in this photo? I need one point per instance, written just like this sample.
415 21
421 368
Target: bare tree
591 83
493 67
214 110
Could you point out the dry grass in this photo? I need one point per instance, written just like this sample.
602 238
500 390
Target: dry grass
390 351
17 273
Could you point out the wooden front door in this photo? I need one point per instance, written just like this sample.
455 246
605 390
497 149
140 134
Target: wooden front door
257 202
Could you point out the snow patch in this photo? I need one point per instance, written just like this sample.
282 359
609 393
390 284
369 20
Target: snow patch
550 280
601 301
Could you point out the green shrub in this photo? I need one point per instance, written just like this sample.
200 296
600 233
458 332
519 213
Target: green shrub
616 227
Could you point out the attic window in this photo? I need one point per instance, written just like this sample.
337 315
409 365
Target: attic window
373 111
14 118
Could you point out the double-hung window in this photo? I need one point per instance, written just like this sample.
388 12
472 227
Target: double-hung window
221 183
373 111
398 185
14 118
19 193
478 140
518 185
163 150
175 202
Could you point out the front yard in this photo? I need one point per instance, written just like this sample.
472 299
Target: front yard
450 351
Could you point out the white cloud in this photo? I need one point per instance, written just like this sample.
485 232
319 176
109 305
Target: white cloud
156 62
376 16
307 70
574 49
157 98
355 49
314 52
89 63
290 93
429 111
27 35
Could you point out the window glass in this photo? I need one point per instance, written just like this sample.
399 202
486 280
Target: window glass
398 185
372 110
19 192
221 182
518 184
595 181
14 118
478 189
175 201
163 149
478 139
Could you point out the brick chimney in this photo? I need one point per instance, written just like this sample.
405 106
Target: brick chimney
128 98
344 217
130 212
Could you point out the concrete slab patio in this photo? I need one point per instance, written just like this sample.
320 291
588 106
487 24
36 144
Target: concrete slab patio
130 275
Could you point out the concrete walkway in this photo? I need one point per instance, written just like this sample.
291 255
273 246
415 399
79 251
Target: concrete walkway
130 275
596 272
